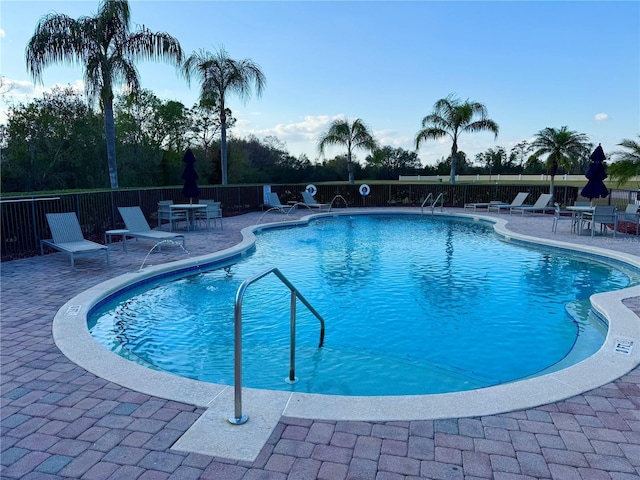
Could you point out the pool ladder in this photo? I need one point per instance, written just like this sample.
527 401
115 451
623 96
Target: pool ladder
239 418
434 203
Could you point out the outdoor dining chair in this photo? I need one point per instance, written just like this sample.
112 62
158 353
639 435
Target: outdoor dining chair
605 215
560 215
165 212
212 212
630 216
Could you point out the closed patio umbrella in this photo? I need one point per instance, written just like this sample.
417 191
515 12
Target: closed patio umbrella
190 177
595 187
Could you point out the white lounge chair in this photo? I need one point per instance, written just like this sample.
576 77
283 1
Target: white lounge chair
68 238
519 200
138 227
541 205
492 203
274 202
309 201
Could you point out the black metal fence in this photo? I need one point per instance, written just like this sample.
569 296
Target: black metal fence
24 223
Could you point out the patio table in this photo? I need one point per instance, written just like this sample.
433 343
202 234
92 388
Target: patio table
123 232
189 209
581 212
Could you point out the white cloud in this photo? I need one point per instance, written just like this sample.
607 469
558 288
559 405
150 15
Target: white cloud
24 90
14 92
2 33
302 136
305 131
601 117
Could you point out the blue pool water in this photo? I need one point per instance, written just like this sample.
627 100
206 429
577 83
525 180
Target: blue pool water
412 305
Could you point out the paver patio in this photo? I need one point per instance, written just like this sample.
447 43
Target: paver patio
59 421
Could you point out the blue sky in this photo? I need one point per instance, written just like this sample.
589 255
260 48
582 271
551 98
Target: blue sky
533 64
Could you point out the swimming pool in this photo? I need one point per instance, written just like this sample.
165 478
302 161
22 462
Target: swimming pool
436 279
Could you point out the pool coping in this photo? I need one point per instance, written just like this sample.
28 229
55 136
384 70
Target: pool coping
213 435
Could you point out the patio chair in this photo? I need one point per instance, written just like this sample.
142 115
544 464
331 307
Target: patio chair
605 215
274 202
165 212
541 205
212 212
309 201
68 238
519 200
630 216
138 227
560 215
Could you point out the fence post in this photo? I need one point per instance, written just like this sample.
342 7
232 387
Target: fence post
33 219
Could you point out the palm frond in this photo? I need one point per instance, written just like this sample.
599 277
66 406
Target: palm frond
626 163
56 40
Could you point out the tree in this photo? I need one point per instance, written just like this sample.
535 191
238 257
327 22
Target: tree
153 137
220 75
520 151
627 163
50 144
352 135
105 47
451 117
388 162
494 160
463 164
563 148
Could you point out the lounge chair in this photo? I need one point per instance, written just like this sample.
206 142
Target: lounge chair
518 201
212 212
274 202
139 228
309 201
68 238
541 205
494 203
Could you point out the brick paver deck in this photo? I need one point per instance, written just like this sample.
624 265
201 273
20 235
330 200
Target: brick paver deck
58 421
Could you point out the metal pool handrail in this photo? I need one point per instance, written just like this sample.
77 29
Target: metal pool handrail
239 418
433 204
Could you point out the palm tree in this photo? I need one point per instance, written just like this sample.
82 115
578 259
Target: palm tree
351 135
451 117
627 163
220 75
104 45
563 148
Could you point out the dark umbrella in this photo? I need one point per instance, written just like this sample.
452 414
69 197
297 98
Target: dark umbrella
595 187
189 175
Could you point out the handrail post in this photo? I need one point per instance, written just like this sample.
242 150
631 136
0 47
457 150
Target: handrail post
292 348
238 418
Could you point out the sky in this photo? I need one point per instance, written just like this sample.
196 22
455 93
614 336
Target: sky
532 64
